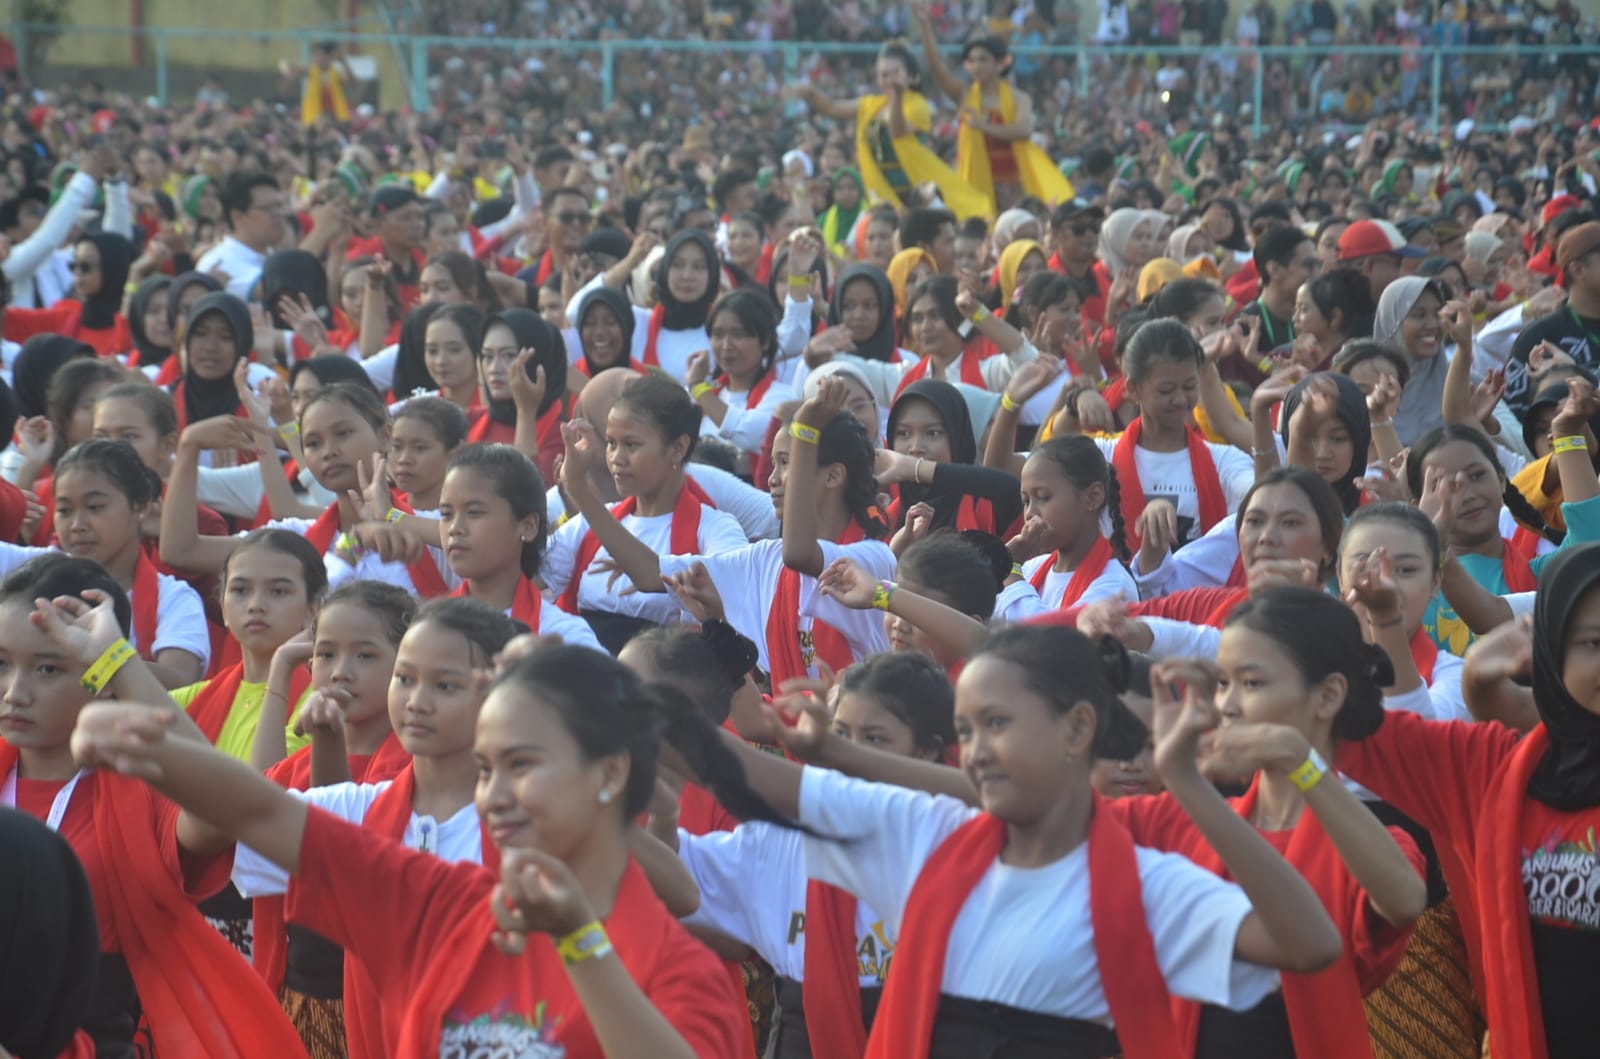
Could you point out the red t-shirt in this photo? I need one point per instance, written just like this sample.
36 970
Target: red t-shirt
364 884
66 318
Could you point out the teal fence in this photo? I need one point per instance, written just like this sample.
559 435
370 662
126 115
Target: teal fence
422 57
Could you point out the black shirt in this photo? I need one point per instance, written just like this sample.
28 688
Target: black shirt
1577 336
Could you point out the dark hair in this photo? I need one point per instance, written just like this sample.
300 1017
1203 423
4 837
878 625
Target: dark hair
410 367
943 291
444 418
67 387
486 629
117 463
757 314
728 181
1343 291
1323 637
471 279
312 570
609 710
1182 298
921 224
750 217
236 191
1402 514
1160 341
954 569
391 288
912 687
515 480
363 400
1515 501
394 607
58 574
333 368
1042 291
1277 247
467 319
898 51
844 441
1361 350
993 549
153 401
708 664
1236 239
1065 667
1082 463
666 405
1324 504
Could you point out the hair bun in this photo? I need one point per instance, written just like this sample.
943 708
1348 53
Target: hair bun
736 653
1114 662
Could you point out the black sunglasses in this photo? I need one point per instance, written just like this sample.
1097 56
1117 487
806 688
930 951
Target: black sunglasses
574 217
84 266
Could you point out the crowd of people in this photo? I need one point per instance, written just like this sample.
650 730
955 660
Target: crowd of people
513 580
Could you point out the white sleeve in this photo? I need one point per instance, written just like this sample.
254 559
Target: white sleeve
256 876
119 218
380 367
751 506
1179 639
1204 562
181 620
720 532
1237 471
236 491
577 300
1493 344
997 371
14 555
1449 704
746 428
1194 918
1521 603
573 630
555 568
26 257
794 329
746 579
722 864
438 188
1114 583
862 629
1418 701
1018 601
873 839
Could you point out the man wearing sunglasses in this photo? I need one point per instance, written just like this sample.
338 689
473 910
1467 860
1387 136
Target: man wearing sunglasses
1074 239
567 220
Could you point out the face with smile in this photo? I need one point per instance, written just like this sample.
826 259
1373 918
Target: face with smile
1420 331
212 347
601 333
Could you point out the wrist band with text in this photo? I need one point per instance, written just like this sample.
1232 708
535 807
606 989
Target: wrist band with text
1310 772
394 515
588 942
97 676
1571 443
800 432
700 389
882 594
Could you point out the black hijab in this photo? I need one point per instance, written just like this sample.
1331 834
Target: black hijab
686 316
208 398
952 408
116 258
182 283
882 344
32 370
1352 412
332 369
531 331
410 369
49 940
294 272
614 300
150 354
1568 777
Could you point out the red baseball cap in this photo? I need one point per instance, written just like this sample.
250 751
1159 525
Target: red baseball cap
1370 238
1557 206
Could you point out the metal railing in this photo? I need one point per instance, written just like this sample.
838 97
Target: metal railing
423 56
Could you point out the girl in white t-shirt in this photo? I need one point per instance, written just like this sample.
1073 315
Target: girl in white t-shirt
1036 920
650 433
1068 490
740 402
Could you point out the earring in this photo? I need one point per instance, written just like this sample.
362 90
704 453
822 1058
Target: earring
605 797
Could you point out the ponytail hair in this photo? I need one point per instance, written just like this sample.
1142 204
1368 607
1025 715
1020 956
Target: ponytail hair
1082 463
1323 637
708 664
844 441
609 710
1065 667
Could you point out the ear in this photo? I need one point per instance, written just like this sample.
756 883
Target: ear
1094 497
528 528
834 476
611 774
1327 697
1078 728
678 450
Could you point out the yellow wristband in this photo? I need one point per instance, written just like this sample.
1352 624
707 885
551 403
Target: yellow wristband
882 594
289 430
1008 404
1265 365
800 432
588 942
394 515
700 389
979 315
1571 443
347 542
1310 772
800 282
97 676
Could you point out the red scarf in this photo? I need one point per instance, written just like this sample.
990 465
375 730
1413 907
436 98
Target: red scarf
210 707
1526 542
526 603
757 392
652 335
1208 487
1510 981
367 1012
973 513
685 535
146 600
547 266
971 372
784 658
1116 393
486 428
1515 568
834 1021
1086 573
1425 653
425 576
271 952
188 978
1326 1016
1135 989
1219 617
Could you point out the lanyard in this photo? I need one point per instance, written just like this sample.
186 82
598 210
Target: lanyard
58 808
1272 339
1588 335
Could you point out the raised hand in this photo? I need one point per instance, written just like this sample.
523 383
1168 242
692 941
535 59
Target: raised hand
697 593
322 714
584 453
119 736
1034 376
1157 529
83 628
1373 590
538 894
1185 713
527 393
1032 540
849 583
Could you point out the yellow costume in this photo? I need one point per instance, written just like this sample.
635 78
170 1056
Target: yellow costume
893 166
1039 177
324 93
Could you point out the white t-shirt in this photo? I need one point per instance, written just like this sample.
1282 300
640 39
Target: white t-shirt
380 367
238 491
1168 476
743 427
1113 581
459 838
1018 601
719 532
242 264
750 506
770 918
1024 938
747 580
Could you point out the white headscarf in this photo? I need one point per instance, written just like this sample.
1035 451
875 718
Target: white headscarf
1114 234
